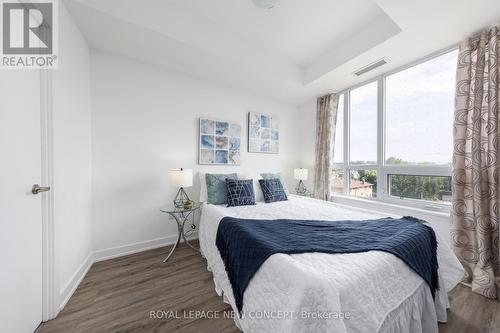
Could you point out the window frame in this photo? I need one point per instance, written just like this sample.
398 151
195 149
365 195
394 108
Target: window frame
383 169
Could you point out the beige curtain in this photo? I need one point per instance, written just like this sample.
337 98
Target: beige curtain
476 164
326 119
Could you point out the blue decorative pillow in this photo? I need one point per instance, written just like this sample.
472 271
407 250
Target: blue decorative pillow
240 192
273 190
275 176
216 187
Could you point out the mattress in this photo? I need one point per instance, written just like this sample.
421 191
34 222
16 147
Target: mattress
317 292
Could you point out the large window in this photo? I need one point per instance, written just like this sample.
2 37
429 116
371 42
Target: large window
363 124
398 144
419 112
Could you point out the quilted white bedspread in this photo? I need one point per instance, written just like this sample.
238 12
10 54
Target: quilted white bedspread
377 290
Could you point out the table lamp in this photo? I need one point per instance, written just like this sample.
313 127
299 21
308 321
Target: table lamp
300 175
181 178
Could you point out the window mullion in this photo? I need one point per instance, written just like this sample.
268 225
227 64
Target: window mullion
346 140
418 170
381 174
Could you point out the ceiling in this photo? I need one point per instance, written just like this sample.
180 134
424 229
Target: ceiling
293 52
294 31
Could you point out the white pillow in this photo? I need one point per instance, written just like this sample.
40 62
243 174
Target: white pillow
203 187
259 196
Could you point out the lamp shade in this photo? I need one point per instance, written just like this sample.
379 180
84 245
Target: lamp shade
181 177
300 174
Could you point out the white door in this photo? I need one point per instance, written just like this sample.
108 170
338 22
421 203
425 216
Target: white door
20 210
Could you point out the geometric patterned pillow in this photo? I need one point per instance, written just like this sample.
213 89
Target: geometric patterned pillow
274 176
240 192
273 190
216 187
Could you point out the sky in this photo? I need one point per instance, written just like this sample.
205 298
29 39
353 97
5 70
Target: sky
419 115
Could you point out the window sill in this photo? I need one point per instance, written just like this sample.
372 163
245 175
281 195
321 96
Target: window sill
390 207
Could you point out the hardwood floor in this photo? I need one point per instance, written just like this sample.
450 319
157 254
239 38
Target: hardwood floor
470 312
119 295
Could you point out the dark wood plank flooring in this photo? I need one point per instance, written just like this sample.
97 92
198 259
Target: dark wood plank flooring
118 295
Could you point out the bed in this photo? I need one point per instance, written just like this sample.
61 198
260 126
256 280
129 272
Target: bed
310 292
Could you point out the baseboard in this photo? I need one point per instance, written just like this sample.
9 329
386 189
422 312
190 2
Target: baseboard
68 290
111 253
124 250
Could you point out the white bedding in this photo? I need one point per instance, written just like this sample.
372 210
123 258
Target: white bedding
376 289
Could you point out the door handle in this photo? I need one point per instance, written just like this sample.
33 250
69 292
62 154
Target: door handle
37 189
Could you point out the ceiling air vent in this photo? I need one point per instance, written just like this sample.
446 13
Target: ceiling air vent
371 66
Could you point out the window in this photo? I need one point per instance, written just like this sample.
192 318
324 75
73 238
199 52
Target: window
399 144
432 188
363 124
338 150
337 181
363 183
419 112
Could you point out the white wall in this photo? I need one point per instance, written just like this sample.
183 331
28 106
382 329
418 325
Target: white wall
144 123
307 115
72 156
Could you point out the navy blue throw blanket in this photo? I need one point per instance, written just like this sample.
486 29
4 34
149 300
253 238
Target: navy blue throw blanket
245 244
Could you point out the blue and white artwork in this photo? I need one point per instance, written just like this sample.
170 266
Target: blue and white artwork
207 141
234 157
235 131
207 126
265 121
254 132
234 143
254 119
221 156
221 128
265 146
208 156
263 133
220 142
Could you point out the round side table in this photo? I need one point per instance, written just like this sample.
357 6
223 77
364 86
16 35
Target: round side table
181 216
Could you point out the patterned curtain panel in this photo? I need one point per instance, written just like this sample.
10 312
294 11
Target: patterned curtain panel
326 119
476 165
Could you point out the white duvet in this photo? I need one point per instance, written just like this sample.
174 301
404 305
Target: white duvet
310 292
